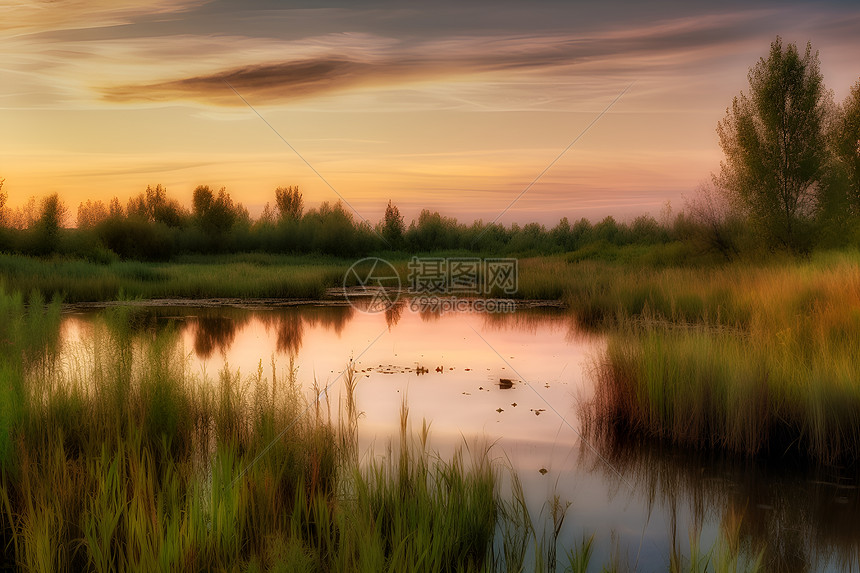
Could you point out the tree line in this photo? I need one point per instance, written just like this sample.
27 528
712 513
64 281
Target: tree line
154 226
790 180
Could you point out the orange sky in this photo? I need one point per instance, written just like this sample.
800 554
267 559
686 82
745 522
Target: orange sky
452 108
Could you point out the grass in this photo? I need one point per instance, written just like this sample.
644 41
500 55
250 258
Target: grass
758 361
239 276
260 275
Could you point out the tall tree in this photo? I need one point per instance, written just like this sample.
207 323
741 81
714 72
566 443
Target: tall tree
847 144
47 227
393 226
290 203
216 215
91 214
775 146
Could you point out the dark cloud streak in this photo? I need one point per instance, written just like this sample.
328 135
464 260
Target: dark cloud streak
278 82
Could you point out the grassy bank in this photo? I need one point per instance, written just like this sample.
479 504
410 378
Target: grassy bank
239 276
251 275
757 360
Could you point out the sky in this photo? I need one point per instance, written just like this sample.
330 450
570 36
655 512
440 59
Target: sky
449 105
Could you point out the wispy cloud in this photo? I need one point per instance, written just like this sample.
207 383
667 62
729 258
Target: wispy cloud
19 17
358 62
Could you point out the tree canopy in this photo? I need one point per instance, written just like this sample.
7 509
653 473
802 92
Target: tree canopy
775 144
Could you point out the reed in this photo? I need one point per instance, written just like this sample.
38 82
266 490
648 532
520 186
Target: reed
772 370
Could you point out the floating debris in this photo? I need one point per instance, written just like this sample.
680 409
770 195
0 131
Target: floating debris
506 383
543 471
467 369
467 393
421 370
538 411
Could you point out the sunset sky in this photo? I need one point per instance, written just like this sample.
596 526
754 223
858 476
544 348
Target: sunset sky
453 106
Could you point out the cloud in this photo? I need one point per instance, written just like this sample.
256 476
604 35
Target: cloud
39 16
368 61
266 83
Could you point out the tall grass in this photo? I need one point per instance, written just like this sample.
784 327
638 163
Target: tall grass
758 362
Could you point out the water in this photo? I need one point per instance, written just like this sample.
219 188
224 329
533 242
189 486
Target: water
448 370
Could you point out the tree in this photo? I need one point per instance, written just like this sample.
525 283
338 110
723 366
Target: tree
201 200
161 209
847 144
713 224
115 208
47 227
290 203
775 145
3 198
91 214
215 215
393 226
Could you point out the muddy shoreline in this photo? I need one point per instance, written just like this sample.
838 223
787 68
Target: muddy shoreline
333 298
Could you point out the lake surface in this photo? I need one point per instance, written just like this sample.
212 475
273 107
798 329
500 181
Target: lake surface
447 368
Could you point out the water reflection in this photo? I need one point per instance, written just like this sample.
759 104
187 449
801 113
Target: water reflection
394 312
802 518
214 333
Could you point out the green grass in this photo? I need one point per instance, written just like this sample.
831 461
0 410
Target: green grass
755 360
239 276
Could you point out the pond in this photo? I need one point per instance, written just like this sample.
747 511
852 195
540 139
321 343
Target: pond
517 382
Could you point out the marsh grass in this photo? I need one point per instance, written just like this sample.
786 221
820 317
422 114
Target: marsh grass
237 276
759 363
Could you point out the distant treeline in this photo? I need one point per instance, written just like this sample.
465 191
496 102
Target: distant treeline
153 226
